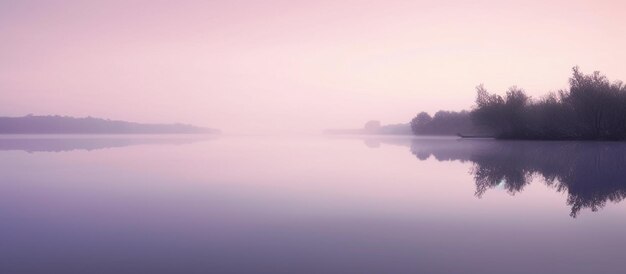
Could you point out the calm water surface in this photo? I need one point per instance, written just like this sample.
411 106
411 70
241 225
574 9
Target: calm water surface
173 204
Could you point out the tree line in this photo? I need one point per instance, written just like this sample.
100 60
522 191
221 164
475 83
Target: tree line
592 108
442 123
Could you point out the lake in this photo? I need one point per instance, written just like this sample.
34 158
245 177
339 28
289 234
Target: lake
312 204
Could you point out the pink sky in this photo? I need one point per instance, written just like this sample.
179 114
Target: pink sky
292 66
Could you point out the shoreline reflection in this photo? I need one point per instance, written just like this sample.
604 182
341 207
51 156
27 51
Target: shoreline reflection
592 174
65 143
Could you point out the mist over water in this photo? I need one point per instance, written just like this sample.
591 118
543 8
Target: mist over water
292 66
279 136
262 204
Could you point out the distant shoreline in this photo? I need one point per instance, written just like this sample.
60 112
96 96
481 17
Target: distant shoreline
59 125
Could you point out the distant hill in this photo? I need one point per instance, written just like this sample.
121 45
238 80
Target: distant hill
32 124
374 127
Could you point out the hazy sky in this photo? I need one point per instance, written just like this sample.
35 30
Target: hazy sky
292 66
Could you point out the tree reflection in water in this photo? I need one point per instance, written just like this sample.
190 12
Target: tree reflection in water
591 173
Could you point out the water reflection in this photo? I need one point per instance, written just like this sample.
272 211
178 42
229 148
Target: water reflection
61 143
292 205
590 173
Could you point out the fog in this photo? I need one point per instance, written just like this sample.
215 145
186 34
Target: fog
292 66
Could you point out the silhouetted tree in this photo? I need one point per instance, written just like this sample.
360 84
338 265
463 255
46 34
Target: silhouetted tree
442 123
420 122
593 108
372 126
